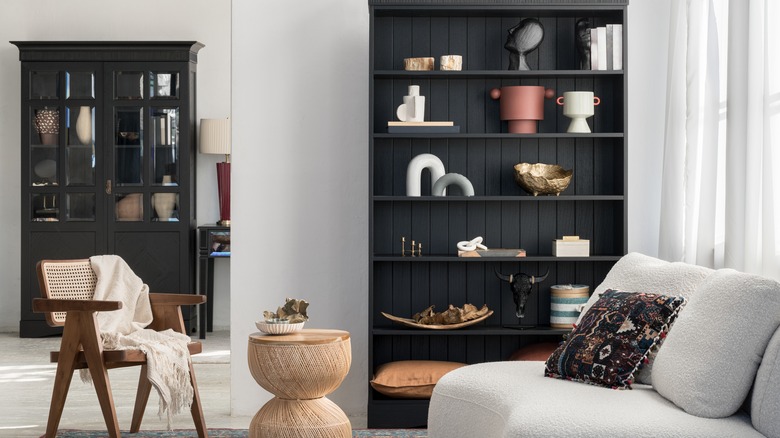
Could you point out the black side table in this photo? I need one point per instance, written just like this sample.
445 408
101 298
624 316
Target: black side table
213 242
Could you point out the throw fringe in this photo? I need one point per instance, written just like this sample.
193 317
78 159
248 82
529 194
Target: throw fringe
167 365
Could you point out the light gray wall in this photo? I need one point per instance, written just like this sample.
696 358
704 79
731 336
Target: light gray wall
207 21
300 118
300 82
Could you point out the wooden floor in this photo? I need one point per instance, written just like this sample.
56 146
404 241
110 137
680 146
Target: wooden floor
26 379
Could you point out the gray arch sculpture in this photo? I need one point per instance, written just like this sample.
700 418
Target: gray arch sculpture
452 178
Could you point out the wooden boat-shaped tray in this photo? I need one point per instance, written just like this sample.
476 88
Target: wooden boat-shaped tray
411 323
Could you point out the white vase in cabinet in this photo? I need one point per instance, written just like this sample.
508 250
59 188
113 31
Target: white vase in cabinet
84 125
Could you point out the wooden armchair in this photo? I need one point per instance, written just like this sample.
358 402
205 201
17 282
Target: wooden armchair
67 287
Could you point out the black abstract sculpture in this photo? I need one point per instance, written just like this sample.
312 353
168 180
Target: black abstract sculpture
520 284
582 41
523 39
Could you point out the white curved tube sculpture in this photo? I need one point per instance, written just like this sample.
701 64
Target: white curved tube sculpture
415 168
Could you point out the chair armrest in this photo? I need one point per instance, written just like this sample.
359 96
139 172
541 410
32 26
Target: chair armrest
42 305
158 299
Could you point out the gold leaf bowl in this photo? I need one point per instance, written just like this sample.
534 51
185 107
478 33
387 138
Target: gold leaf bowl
542 179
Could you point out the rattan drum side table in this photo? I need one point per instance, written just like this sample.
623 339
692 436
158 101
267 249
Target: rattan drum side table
300 369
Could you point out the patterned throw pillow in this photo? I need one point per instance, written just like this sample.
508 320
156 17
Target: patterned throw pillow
613 338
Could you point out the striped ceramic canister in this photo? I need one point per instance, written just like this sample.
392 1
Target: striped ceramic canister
565 303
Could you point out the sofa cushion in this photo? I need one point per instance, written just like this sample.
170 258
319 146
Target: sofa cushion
514 399
765 401
613 338
638 272
709 359
411 378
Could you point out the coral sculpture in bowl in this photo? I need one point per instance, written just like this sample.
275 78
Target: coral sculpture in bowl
286 319
542 179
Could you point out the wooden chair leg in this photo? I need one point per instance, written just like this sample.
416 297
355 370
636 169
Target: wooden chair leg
197 407
69 348
93 353
141 398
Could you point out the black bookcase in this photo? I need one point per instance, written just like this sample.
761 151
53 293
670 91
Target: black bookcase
593 206
108 161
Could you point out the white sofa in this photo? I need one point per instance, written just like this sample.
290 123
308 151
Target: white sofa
725 343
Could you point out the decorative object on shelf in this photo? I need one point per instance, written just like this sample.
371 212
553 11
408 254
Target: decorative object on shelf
84 125
417 246
578 106
441 127
47 125
215 139
415 168
279 327
130 208
441 184
46 170
413 108
418 64
542 179
495 252
452 318
582 42
522 106
164 205
411 378
293 311
451 62
520 285
606 47
571 246
471 245
523 38
566 303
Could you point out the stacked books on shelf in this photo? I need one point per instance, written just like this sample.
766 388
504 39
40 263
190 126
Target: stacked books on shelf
422 128
606 47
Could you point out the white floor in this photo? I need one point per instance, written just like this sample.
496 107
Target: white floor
26 379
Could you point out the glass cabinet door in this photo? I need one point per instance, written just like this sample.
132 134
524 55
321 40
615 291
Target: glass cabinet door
146 151
62 144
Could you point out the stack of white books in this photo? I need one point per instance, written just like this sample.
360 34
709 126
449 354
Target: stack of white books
606 47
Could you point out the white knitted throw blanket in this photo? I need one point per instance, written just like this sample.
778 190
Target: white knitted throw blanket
167 356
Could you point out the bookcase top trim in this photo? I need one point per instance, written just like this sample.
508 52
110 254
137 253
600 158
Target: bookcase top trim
497 2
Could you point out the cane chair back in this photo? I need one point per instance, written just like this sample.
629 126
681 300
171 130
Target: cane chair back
66 280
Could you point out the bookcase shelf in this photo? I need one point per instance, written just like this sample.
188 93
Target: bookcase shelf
593 206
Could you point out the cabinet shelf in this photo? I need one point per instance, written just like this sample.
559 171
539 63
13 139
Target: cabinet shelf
527 198
473 331
381 135
499 74
453 258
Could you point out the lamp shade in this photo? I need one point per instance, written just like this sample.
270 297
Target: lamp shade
214 136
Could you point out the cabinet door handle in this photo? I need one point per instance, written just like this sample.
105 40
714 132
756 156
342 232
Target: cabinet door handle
108 187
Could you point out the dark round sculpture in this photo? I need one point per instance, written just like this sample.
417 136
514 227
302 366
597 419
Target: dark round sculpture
523 39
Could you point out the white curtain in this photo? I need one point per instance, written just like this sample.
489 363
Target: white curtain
720 199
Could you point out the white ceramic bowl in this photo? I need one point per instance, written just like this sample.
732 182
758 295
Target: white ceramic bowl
278 328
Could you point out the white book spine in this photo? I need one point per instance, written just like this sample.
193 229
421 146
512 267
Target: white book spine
617 47
602 46
594 49
610 37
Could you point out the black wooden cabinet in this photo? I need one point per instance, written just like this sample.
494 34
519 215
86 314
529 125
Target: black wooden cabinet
108 160
593 206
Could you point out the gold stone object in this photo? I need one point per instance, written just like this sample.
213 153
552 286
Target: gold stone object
418 64
451 62
453 315
542 179
293 312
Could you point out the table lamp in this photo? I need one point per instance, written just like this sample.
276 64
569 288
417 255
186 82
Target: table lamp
215 139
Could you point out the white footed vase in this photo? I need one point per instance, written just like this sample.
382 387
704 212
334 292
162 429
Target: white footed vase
84 125
415 168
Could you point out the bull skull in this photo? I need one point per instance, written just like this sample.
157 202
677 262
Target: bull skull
520 285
